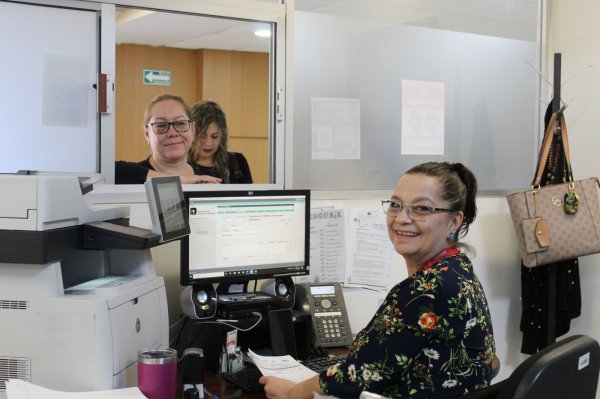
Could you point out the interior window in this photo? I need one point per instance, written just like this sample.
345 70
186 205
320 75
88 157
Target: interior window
198 58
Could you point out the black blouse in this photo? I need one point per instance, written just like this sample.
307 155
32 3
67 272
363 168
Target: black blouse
137 172
239 170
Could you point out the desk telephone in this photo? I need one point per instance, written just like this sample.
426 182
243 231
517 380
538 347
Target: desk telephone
325 303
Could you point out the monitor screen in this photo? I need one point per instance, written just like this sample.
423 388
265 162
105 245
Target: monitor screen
239 236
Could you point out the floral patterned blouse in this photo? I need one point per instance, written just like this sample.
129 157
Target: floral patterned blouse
431 338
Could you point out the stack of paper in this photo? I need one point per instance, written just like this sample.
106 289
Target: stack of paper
18 389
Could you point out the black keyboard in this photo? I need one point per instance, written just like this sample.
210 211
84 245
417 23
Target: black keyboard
322 363
247 378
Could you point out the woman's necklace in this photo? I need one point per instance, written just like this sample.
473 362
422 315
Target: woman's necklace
448 251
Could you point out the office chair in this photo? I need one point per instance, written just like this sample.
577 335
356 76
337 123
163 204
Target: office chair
567 369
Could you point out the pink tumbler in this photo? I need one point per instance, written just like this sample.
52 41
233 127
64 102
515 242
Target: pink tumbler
157 373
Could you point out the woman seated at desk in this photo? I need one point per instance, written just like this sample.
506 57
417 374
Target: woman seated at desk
432 337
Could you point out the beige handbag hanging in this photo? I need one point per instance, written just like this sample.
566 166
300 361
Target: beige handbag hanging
558 221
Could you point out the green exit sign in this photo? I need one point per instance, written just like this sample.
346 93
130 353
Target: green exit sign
156 77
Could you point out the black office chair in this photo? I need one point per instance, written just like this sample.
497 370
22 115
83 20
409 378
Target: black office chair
567 369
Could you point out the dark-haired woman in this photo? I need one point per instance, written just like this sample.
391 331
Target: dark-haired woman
432 337
209 151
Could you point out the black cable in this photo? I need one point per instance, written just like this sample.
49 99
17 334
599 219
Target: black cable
175 339
222 323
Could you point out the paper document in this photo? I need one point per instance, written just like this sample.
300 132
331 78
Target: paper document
327 244
104 285
422 118
335 124
281 366
369 250
18 389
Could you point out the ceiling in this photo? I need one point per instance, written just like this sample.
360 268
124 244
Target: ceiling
188 31
505 18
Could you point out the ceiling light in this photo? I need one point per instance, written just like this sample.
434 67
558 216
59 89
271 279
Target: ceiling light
263 33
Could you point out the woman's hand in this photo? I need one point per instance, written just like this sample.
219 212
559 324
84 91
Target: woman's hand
187 179
208 179
198 179
276 387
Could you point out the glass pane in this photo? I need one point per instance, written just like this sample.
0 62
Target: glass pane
47 102
392 95
198 58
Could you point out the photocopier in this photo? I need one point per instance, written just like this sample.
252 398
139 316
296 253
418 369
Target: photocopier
79 295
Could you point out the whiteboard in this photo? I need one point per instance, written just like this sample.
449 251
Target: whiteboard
490 100
48 119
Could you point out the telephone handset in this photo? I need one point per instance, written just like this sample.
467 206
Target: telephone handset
325 303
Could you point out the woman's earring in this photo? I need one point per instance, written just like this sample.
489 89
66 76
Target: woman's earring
452 236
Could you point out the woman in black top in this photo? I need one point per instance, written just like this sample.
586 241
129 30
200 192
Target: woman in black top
138 172
169 130
209 150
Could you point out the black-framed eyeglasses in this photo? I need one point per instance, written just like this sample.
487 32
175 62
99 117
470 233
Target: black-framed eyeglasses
180 126
415 212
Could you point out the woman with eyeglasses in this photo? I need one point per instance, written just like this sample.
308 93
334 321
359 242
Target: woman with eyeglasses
209 151
169 130
432 336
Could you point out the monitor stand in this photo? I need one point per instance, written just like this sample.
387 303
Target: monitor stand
235 302
232 288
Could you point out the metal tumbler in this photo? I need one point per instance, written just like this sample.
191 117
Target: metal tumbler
157 373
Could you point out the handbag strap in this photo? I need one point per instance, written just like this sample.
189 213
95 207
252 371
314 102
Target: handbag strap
547 143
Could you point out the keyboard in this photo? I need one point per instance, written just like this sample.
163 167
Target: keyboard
319 364
247 378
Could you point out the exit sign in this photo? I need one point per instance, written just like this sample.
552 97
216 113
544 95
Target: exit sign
156 77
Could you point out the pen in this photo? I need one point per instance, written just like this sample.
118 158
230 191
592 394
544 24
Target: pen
210 395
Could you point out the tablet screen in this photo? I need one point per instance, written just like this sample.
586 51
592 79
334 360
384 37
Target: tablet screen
167 207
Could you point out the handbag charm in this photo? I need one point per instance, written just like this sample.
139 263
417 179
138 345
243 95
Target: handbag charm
571 202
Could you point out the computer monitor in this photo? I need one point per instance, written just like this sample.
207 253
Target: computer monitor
238 236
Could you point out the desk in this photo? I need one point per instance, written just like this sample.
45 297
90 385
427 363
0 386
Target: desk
218 386
225 390
210 336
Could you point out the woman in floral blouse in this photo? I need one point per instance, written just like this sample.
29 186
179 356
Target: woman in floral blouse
432 337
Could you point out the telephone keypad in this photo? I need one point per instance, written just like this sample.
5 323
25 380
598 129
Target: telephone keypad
329 322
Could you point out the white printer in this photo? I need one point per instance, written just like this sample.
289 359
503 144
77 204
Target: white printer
79 295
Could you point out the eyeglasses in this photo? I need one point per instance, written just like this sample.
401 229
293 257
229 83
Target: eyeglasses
163 127
415 212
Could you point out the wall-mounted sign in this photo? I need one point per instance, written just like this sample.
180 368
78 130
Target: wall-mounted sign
157 77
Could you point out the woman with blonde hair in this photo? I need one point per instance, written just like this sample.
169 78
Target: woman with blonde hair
169 130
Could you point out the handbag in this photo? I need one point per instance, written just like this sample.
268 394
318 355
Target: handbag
558 221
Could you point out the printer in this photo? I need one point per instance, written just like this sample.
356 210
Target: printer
79 295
